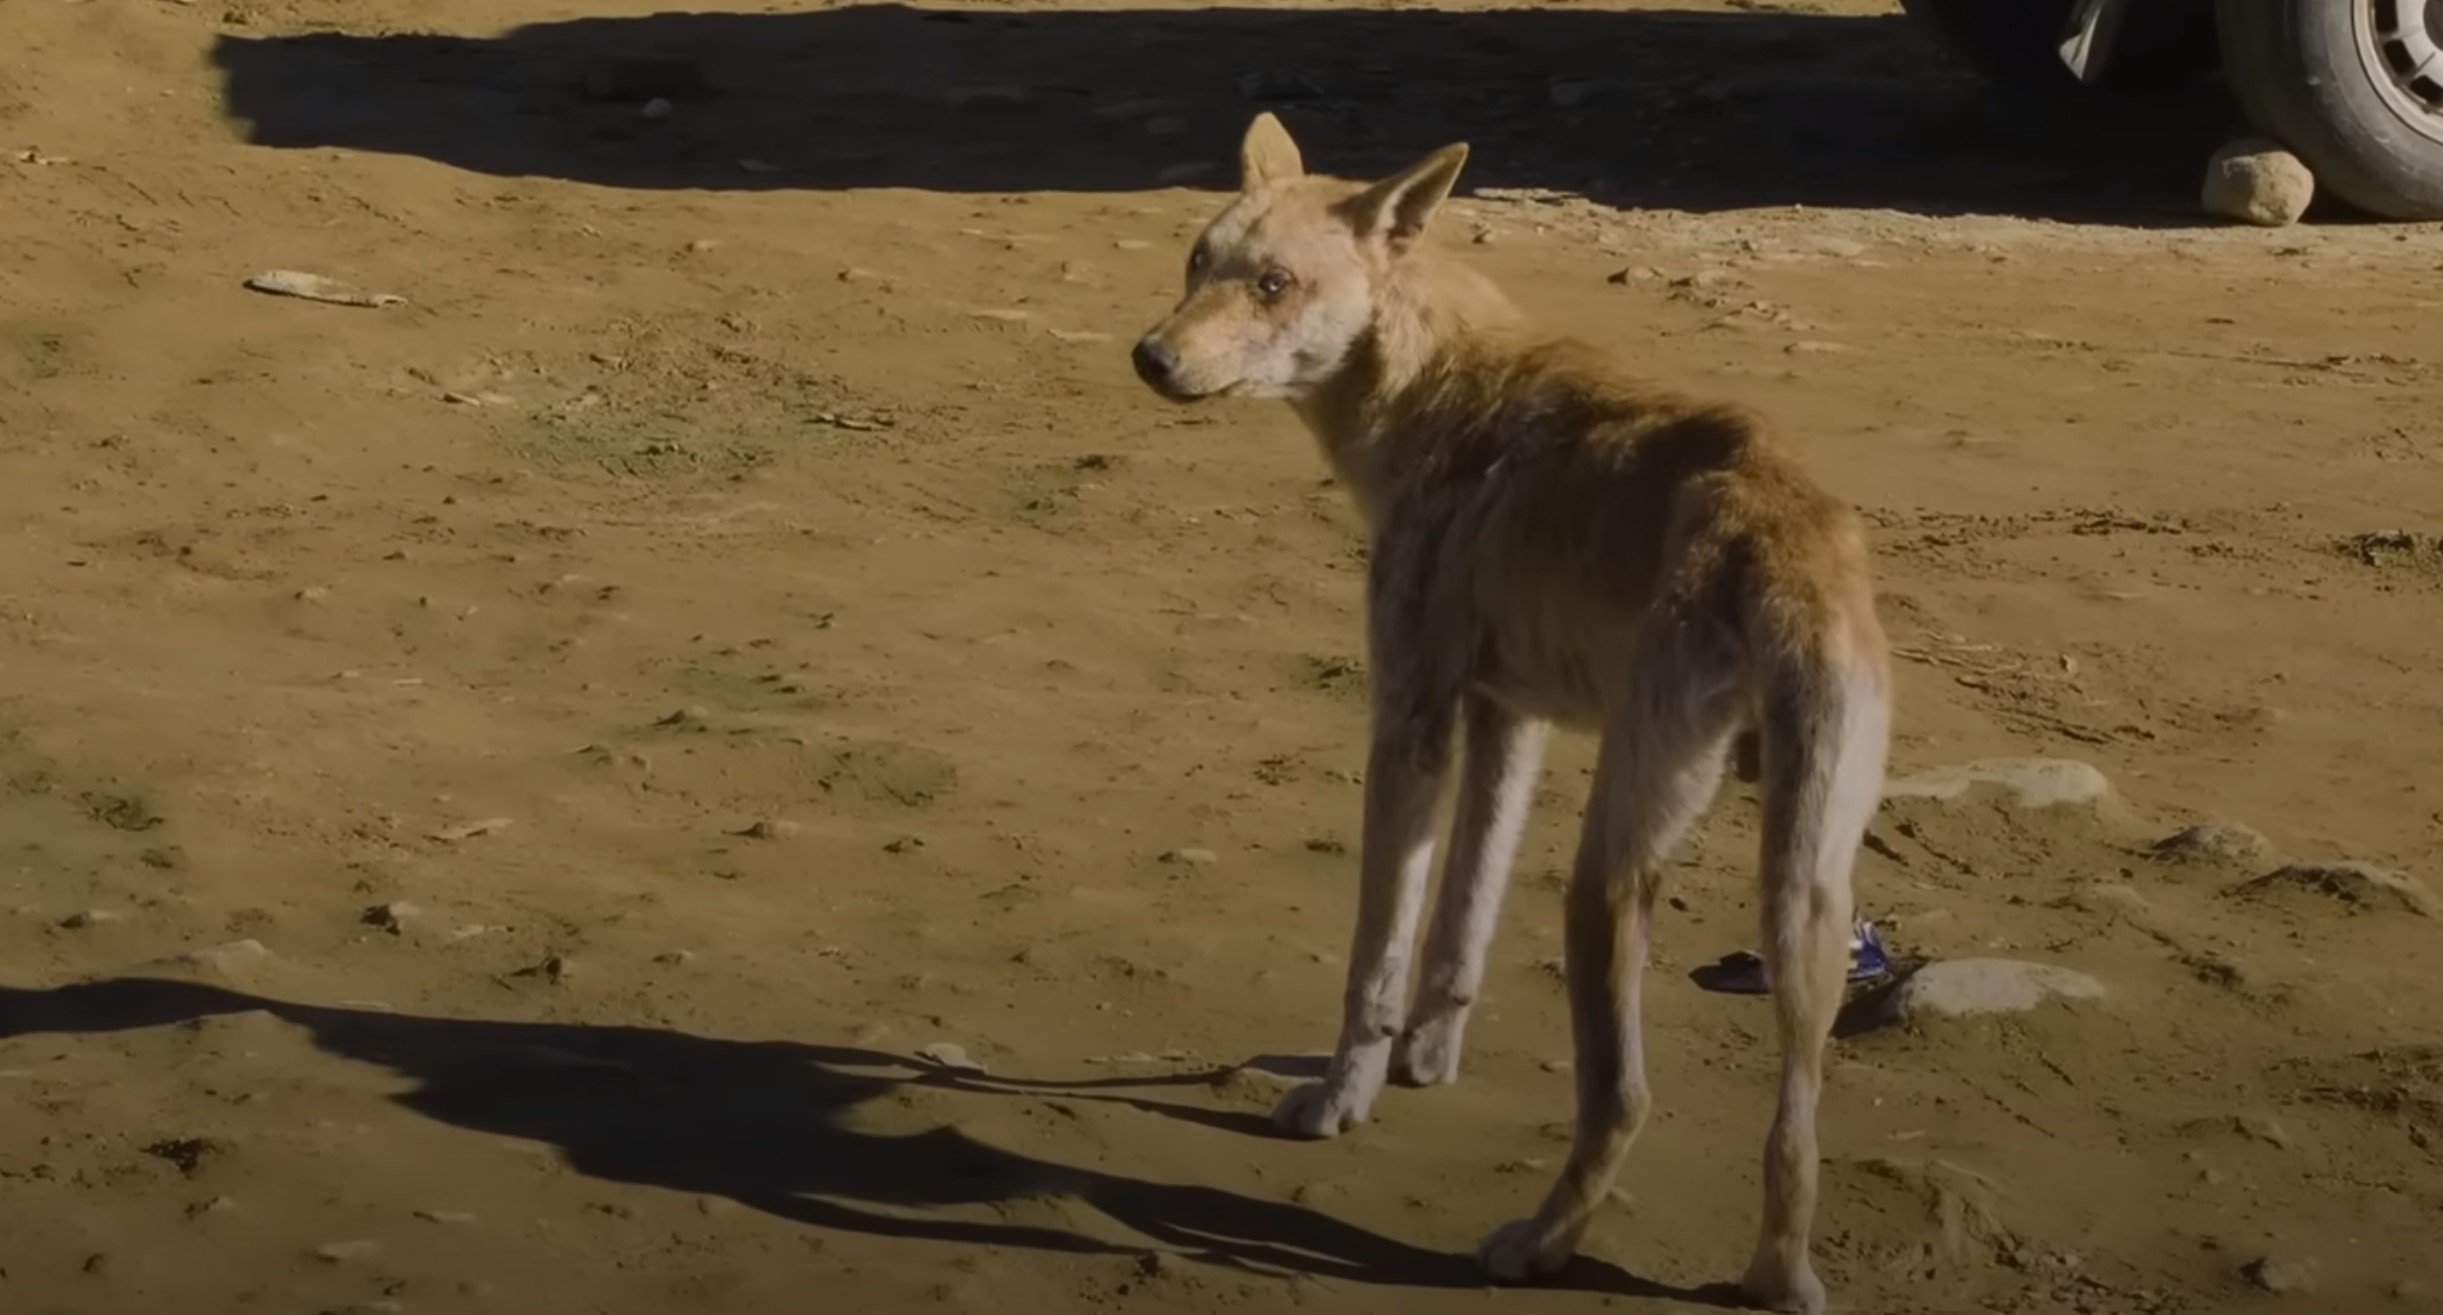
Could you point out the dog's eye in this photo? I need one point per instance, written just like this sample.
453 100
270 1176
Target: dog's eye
1198 259
1273 283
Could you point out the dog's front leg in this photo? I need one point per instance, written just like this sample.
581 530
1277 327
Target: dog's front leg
1415 705
1404 774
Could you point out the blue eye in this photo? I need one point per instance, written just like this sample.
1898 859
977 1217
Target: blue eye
1273 283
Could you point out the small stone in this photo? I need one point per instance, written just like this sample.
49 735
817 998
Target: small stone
903 844
470 830
692 714
1191 858
1955 988
234 954
392 917
2109 897
1634 274
312 593
446 1216
2032 782
2257 182
555 969
675 958
1708 280
950 1055
772 828
340 1253
2215 842
2258 1127
85 918
2281 1275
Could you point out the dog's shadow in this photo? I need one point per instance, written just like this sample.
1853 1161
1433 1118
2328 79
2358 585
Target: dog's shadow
767 1124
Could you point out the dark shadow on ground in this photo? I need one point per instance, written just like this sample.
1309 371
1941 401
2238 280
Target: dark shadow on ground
771 1125
1698 110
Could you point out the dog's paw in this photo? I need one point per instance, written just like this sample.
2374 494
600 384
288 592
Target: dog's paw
1797 1292
1318 1109
1427 1055
1520 1252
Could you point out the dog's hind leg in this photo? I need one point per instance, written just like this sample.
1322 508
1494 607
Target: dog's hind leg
1505 753
1826 731
1660 765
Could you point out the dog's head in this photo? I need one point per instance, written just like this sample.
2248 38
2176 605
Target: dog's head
1284 283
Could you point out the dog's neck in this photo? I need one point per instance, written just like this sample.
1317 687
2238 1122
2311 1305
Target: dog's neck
1433 315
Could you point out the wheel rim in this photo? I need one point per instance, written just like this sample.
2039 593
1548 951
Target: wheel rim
2401 42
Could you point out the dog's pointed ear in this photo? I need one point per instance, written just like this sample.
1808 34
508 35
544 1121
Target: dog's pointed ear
1266 154
1395 210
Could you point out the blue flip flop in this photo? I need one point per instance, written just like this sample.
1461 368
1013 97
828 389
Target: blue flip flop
1742 972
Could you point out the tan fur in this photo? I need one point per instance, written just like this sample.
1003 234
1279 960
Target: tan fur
1551 543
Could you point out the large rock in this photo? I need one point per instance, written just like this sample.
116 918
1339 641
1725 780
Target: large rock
1960 988
2362 886
2031 782
2257 182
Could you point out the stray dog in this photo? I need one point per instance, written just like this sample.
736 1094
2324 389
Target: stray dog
1551 542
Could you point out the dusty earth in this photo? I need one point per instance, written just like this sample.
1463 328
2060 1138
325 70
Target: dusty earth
508 795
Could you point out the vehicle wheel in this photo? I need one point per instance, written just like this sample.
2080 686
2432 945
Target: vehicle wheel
2354 86
2014 42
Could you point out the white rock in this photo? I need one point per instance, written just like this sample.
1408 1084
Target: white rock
952 1056
230 957
340 1253
1955 988
2257 182
2033 782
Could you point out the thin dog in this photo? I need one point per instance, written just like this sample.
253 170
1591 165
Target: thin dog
1551 542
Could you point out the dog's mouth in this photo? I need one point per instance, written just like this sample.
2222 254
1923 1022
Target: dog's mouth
1171 390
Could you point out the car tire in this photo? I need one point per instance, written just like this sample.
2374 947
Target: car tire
2320 76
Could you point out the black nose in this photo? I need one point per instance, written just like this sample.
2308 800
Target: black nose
1155 363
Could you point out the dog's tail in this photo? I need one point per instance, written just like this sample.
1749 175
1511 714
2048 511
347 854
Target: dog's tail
1823 725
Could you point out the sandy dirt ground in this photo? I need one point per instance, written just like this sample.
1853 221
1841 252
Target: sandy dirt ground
507 796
